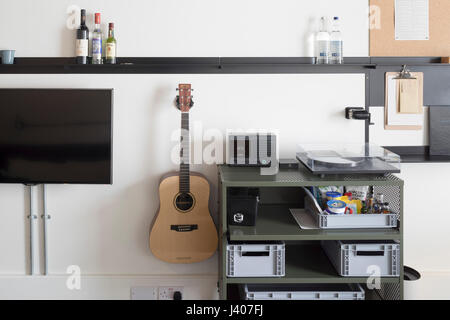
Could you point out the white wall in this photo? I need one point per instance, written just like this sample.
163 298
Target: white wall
104 229
103 286
397 137
427 216
208 28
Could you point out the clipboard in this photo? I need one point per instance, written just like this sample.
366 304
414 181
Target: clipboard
392 117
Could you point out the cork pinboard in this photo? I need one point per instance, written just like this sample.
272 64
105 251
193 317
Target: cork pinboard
382 31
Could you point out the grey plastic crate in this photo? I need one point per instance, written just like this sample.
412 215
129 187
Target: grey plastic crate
303 292
256 260
347 221
357 221
364 258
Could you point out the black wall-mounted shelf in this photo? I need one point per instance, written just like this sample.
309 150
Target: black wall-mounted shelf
230 65
436 74
184 66
417 154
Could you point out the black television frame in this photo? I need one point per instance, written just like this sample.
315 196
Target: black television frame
110 182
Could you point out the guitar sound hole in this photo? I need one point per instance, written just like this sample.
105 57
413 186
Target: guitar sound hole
184 202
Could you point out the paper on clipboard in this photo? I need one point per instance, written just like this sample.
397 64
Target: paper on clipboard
393 119
409 96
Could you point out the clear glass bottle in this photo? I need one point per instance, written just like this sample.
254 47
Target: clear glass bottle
97 38
378 205
323 43
380 198
370 202
111 46
336 43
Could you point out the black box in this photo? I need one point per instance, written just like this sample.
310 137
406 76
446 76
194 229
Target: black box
242 206
288 164
439 131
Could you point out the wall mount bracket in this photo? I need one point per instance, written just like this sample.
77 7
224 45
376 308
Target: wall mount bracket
357 113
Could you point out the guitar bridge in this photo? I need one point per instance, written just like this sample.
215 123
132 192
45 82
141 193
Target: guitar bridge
184 227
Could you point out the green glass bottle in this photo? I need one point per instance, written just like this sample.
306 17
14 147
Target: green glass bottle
111 46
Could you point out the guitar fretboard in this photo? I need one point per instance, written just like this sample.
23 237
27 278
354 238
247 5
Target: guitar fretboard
184 153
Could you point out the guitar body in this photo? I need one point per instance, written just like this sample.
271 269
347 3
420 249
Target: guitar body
183 236
184 231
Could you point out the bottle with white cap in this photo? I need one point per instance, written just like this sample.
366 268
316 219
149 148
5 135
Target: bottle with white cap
336 43
323 43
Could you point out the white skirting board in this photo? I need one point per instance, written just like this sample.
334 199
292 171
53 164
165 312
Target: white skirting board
432 285
110 287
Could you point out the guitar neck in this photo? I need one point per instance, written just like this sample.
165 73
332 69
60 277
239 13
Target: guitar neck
184 153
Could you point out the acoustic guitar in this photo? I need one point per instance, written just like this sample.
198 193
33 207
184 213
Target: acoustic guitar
184 231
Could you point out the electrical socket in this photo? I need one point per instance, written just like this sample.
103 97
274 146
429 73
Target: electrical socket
166 293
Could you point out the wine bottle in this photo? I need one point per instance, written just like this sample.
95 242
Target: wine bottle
97 42
111 46
82 41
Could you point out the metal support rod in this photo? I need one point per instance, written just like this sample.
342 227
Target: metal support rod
45 217
367 106
31 217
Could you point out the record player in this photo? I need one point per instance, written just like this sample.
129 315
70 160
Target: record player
348 159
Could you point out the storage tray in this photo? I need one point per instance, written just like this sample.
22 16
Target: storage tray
347 221
256 260
364 258
303 292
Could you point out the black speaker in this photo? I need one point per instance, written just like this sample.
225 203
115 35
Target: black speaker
242 206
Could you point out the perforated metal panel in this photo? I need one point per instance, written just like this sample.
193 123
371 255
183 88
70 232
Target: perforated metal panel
389 291
244 176
291 176
391 195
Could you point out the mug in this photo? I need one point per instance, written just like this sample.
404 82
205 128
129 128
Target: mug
8 56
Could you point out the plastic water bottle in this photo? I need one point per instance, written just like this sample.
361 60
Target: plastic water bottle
336 43
323 43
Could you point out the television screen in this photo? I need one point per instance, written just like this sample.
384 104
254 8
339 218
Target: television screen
56 136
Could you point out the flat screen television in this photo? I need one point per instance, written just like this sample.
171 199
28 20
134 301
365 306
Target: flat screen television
56 136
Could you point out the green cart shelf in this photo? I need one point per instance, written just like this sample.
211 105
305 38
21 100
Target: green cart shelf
305 260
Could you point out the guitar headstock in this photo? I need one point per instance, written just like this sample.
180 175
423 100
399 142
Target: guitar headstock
184 98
